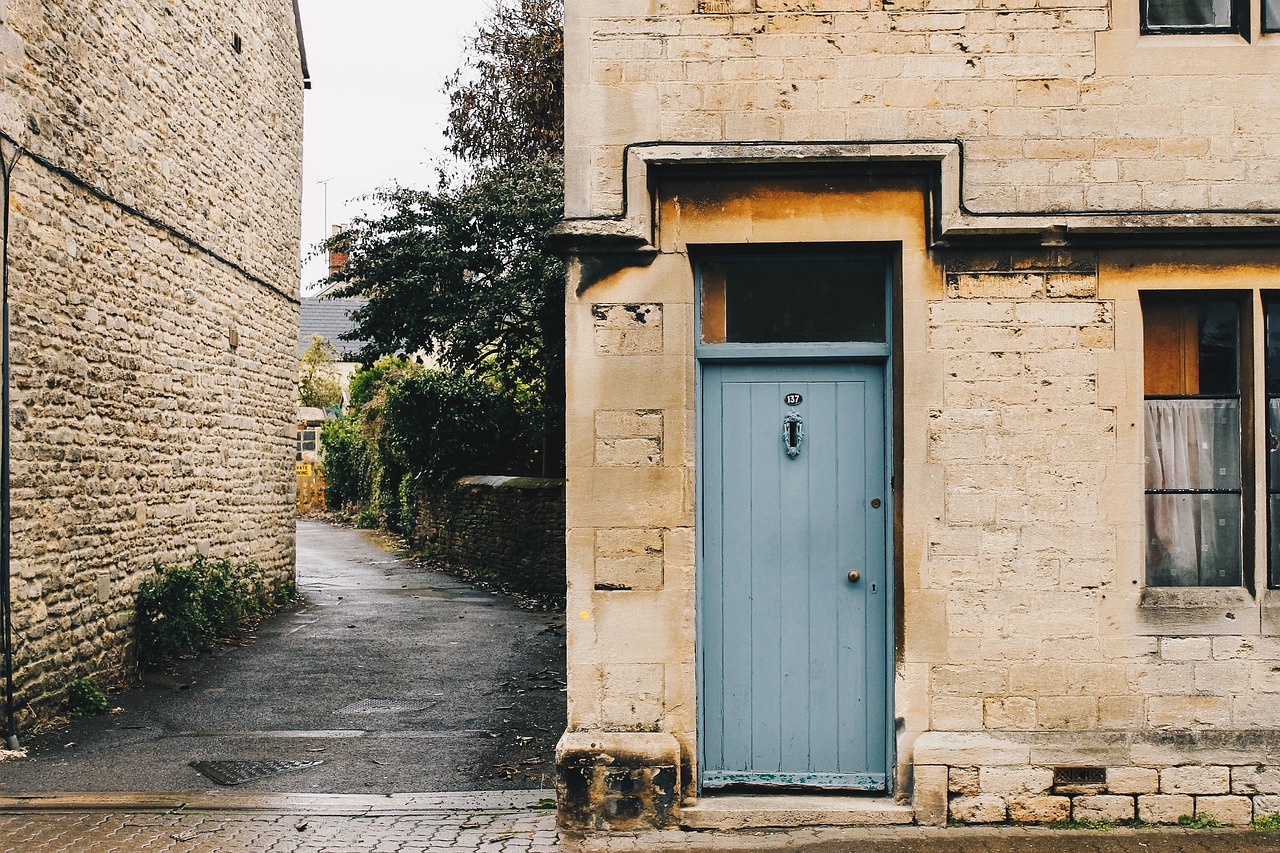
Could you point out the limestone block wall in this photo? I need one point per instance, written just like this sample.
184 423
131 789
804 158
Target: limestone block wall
1041 648
630 506
153 261
1060 104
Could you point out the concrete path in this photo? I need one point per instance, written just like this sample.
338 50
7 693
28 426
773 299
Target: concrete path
389 678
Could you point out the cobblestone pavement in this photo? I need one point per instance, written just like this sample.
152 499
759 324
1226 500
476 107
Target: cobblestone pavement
478 821
494 822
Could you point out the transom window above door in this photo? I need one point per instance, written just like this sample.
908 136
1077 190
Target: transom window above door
795 298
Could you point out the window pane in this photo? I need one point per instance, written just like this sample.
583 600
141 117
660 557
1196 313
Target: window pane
1190 346
1273 505
1188 13
1219 324
796 299
1193 444
1193 540
1273 445
1271 16
1273 347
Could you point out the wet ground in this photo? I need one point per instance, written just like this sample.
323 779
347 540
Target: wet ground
388 677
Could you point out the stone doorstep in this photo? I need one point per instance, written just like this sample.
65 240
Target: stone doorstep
741 811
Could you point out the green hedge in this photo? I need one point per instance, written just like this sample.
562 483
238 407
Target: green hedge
414 429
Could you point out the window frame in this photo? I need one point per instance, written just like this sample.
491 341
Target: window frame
1270 299
1247 382
1263 8
1238 25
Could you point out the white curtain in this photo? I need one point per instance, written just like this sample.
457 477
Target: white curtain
1193 539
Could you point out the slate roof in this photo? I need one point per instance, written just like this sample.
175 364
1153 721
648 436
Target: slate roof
329 319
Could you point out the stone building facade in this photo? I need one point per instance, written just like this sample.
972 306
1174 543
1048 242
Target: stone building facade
1023 567
153 274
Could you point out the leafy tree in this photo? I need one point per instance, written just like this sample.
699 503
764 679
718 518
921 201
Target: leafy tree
507 102
318 383
464 272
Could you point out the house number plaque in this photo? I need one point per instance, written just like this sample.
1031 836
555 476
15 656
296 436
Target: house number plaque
793 399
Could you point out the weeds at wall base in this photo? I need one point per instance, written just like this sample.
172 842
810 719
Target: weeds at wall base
186 607
86 698
1267 823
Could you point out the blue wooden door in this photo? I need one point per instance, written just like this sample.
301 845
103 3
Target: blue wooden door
793 649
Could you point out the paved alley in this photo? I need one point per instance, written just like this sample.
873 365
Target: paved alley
389 677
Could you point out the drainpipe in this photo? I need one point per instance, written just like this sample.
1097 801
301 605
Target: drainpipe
6 515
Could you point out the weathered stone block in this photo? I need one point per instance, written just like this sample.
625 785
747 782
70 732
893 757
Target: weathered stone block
1255 779
1188 711
1044 809
1265 804
989 285
964 780
1015 780
628 329
969 749
984 808
1186 648
1132 780
1110 807
1195 779
1014 713
1230 810
929 795
1165 808
617 780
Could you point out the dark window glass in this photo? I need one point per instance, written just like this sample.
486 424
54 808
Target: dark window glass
1191 365
1174 15
1272 309
1271 16
795 299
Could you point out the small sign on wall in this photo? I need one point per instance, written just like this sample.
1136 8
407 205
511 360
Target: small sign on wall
305 469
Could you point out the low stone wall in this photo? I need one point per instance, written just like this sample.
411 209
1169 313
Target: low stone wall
506 529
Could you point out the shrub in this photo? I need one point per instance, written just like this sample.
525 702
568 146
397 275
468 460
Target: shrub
419 429
85 697
347 465
366 382
439 425
185 607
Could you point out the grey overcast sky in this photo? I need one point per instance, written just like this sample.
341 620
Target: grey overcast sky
375 113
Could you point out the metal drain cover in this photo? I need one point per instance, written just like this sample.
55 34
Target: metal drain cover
236 772
385 706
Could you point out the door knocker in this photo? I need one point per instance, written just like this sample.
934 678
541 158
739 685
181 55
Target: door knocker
792 433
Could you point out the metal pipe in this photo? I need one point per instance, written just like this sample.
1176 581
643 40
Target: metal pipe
6 600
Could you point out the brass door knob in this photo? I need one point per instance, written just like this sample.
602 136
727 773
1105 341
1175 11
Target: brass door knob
855 576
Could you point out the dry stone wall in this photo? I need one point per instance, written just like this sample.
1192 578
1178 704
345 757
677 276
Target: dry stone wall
506 529
153 275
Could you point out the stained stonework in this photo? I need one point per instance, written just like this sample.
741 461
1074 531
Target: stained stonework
154 271
628 329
